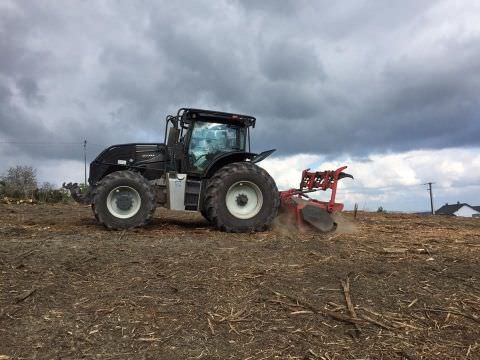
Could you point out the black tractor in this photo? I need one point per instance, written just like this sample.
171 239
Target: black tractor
205 165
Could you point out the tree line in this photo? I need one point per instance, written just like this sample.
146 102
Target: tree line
20 182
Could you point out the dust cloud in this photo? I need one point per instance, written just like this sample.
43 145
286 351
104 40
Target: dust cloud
285 224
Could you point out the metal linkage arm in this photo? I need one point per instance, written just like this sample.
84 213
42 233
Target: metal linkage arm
315 181
322 180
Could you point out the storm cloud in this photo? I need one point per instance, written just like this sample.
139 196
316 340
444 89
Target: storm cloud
321 78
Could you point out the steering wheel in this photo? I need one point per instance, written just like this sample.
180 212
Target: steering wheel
196 159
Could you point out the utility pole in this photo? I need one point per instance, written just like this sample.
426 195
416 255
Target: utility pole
85 159
431 196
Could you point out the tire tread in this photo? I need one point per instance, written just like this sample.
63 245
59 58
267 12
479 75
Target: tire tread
211 198
103 185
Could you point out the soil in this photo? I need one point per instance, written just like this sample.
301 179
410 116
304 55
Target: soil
383 286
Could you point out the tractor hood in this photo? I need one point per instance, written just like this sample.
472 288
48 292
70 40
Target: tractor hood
121 155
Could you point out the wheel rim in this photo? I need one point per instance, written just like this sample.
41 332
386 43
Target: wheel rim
244 200
124 202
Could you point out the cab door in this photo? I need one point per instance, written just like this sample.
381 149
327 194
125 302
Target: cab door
209 140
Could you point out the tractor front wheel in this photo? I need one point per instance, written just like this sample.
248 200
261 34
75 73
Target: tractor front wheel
123 200
241 197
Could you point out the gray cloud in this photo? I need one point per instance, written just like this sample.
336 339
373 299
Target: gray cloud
320 77
29 90
282 61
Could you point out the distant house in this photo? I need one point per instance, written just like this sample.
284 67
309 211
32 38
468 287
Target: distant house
459 209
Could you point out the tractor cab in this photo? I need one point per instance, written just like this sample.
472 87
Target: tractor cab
209 140
197 139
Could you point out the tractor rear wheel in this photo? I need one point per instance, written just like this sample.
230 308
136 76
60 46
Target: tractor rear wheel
123 200
94 212
241 197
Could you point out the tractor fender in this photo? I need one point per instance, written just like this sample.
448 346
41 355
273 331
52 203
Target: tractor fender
263 155
225 159
231 157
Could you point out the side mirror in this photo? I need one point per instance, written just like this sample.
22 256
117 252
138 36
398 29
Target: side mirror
173 135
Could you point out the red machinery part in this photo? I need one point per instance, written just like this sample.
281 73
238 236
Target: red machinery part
309 211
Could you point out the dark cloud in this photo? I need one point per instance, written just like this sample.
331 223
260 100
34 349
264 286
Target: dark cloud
29 90
320 77
268 7
282 61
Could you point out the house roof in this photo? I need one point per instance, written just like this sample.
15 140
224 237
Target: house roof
451 209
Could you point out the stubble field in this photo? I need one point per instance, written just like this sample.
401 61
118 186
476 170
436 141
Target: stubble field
384 286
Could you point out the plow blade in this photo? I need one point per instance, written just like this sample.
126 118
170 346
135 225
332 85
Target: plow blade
318 218
309 212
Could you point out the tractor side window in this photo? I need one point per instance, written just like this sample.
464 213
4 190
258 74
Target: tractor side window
208 140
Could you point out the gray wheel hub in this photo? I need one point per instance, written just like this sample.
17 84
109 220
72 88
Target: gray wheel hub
244 199
124 202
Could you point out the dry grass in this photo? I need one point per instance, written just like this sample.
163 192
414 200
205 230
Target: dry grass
382 287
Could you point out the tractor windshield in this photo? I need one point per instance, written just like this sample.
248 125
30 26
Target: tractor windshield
211 139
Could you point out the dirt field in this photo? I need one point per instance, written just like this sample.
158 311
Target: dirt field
179 289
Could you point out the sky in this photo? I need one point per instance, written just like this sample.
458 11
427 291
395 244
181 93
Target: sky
389 89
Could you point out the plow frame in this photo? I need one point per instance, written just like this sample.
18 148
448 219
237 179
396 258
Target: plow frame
294 200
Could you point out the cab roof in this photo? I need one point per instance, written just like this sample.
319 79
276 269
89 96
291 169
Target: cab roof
188 114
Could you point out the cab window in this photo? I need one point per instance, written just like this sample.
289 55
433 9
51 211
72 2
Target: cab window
209 140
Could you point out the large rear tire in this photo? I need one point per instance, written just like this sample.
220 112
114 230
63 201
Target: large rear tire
241 197
123 200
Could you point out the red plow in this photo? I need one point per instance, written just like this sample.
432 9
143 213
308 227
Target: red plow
310 212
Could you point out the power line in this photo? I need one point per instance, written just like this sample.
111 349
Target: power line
51 143
413 187
39 143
